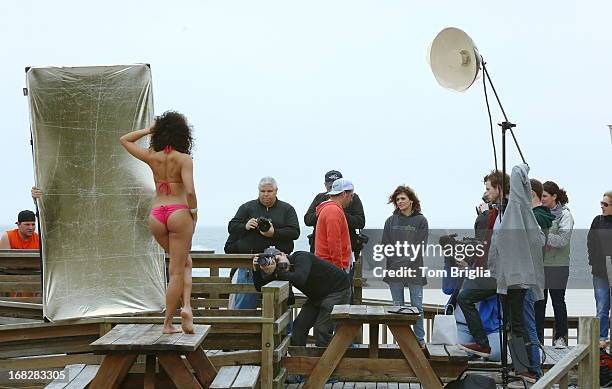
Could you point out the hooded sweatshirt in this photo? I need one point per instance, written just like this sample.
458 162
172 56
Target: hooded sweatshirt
332 241
515 255
412 230
557 252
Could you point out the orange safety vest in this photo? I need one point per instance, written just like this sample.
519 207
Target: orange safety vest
19 244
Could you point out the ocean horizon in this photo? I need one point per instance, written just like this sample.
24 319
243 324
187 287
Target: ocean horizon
580 302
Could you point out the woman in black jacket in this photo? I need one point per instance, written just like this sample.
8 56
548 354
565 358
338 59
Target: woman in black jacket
599 244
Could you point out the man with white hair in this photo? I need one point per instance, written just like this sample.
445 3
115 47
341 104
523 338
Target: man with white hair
258 224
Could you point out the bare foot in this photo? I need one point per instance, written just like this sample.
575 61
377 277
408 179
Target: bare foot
187 320
170 330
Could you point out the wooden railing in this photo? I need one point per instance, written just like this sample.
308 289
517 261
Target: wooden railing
242 329
208 292
259 335
585 355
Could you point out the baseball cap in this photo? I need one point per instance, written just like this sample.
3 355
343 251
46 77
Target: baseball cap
332 176
26 216
340 185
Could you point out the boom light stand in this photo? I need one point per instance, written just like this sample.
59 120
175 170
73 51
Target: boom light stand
455 63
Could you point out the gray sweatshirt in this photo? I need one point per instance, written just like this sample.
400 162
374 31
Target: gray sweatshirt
413 230
515 255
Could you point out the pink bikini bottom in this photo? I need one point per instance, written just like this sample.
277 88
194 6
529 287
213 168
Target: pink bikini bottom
163 212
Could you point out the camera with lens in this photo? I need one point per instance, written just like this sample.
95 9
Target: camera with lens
361 240
465 241
264 224
264 259
268 257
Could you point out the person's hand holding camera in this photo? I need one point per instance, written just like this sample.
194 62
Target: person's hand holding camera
482 208
251 224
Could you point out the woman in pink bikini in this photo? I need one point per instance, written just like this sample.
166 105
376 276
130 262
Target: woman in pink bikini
173 217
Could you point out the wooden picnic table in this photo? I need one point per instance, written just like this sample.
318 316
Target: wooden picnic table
125 342
349 319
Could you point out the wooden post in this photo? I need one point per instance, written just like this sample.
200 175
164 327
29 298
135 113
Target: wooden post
588 368
267 338
105 328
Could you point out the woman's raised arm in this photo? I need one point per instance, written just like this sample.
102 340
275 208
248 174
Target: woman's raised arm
129 142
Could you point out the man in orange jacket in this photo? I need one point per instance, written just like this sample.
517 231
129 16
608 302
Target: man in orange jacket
332 240
24 236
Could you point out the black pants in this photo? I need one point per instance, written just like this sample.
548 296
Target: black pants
317 314
556 281
467 300
513 301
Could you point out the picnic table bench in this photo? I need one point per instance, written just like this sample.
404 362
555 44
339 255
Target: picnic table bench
409 360
125 342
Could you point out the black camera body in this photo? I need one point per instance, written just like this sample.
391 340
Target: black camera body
264 224
265 259
268 257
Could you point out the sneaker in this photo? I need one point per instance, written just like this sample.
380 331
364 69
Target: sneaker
559 343
527 376
604 344
422 344
477 349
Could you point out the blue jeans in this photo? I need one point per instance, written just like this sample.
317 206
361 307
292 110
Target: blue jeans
529 321
245 300
602 302
416 300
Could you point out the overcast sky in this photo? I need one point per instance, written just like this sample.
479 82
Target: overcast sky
293 89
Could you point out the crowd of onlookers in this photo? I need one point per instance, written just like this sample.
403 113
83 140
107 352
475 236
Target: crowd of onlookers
267 228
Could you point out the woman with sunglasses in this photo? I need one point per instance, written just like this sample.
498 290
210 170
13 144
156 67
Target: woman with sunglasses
599 245
556 263
407 226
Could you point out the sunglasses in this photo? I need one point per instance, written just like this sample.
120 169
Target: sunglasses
604 204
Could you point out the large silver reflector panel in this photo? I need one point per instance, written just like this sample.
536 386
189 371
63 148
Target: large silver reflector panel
454 59
98 255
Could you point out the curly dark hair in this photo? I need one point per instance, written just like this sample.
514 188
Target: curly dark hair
553 189
408 191
495 176
171 129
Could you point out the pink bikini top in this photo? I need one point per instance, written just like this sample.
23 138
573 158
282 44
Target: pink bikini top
164 186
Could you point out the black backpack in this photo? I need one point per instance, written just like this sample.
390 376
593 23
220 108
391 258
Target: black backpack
472 381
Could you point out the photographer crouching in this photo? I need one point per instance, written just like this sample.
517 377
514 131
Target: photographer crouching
323 284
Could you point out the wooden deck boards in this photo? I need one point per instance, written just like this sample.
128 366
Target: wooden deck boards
552 356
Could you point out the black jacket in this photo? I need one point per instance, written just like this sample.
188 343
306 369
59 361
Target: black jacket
354 217
284 220
599 244
311 275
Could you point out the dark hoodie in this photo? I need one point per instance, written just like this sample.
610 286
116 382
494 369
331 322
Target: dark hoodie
599 244
412 230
